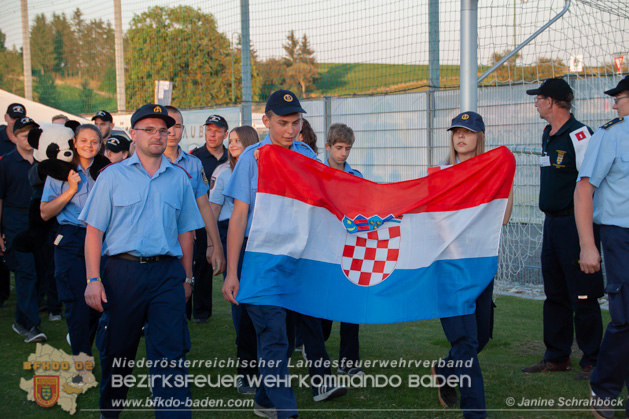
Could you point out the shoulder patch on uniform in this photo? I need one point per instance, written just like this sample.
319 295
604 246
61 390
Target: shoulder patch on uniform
181 167
203 176
612 123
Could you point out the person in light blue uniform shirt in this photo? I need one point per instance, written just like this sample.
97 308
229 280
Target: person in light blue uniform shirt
65 200
212 248
605 174
222 206
339 143
467 334
145 208
283 119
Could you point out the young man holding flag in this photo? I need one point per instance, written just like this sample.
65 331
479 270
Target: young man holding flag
283 119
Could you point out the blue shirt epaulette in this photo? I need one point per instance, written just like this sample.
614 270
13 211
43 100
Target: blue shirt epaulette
181 167
612 123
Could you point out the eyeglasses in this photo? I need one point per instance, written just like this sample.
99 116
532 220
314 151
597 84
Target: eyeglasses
152 131
537 99
618 99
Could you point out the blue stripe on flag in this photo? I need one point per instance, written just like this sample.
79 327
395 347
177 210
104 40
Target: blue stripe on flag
444 289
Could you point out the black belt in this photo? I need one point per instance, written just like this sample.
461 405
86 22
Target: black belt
562 213
142 259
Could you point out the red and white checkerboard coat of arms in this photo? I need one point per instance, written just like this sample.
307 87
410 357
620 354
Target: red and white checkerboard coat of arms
370 257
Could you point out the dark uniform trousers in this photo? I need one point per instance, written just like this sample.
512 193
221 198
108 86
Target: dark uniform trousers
349 350
612 370
200 305
5 281
468 335
45 267
70 276
139 294
223 226
246 344
314 345
15 220
564 282
272 342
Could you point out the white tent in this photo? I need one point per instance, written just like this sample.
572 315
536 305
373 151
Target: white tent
38 112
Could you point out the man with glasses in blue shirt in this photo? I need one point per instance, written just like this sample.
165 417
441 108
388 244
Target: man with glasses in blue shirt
145 210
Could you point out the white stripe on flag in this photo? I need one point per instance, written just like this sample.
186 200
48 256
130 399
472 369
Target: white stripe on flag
303 231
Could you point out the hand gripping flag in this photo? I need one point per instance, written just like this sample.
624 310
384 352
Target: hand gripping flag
332 245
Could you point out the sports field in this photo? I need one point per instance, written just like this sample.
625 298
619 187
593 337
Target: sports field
517 342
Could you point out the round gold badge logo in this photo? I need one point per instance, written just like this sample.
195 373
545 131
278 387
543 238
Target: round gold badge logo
288 98
465 116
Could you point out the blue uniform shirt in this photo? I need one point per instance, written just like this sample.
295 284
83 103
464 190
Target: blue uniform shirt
195 169
347 168
243 183
606 163
217 197
69 215
142 215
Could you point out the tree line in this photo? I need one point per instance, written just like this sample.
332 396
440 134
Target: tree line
181 44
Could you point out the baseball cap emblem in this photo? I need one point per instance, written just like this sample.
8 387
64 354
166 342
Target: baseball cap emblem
288 98
18 109
157 109
465 116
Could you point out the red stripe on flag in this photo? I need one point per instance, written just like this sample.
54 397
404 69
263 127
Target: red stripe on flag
465 185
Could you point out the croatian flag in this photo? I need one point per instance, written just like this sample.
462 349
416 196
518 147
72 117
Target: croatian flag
332 245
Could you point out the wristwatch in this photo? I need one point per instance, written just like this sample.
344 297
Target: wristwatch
190 281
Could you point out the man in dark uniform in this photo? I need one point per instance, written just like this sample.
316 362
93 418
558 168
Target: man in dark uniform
211 155
15 111
15 197
571 306
105 123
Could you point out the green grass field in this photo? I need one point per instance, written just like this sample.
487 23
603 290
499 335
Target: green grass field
363 78
517 343
70 100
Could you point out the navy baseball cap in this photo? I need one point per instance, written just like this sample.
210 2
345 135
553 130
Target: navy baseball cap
23 122
555 88
104 115
117 143
470 120
283 102
623 85
16 110
217 120
152 110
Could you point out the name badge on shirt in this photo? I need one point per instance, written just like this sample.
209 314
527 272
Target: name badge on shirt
544 161
58 239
